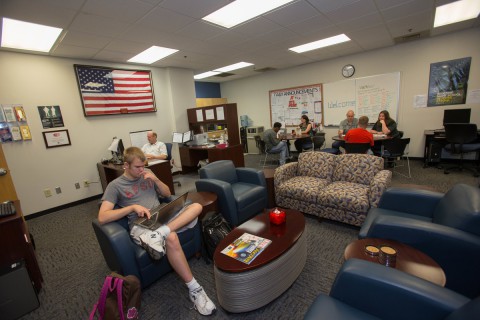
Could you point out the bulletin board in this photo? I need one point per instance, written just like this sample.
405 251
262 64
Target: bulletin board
366 96
288 105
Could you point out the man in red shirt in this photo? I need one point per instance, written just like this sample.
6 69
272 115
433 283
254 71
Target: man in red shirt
360 134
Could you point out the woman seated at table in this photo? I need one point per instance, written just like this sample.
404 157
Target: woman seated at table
384 125
305 128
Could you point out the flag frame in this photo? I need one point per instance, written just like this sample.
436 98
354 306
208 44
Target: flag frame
130 104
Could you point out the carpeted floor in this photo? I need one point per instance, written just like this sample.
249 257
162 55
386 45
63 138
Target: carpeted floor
73 267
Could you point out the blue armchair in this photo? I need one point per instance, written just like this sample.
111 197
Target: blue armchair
365 290
241 192
444 226
125 257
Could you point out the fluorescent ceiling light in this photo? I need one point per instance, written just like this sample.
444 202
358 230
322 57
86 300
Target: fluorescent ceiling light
235 66
321 43
205 75
28 36
152 54
242 10
456 11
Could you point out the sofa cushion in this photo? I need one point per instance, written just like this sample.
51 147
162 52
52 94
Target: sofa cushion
305 188
245 193
345 195
357 168
316 164
460 209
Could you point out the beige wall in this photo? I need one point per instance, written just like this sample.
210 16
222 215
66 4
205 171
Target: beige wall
411 59
33 80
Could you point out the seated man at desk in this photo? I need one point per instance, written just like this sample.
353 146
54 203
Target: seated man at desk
360 134
154 150
345 125
273 145
133 195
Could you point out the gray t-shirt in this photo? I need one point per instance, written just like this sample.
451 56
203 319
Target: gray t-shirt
345 125
124 192
270 138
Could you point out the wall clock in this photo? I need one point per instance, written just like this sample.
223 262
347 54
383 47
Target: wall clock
348 70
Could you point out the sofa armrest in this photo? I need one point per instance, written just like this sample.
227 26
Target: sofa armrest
226 201
285 172
378 185
117 247
412 201
456 251
391 294
250 175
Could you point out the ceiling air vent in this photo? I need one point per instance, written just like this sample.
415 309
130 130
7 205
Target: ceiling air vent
224 75
412 36
264 69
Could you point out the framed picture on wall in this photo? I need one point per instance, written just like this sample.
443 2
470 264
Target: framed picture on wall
56 138
107 91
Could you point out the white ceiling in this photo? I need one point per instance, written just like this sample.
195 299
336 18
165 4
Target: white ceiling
116 30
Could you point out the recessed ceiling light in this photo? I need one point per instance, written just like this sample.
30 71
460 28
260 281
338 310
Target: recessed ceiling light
456 11
321 43
235 66
242 10
205 75
18 34
152 54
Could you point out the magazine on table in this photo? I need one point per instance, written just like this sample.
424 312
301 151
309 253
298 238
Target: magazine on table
246 248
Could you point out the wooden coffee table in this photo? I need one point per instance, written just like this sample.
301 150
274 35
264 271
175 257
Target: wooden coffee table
409 259
244 287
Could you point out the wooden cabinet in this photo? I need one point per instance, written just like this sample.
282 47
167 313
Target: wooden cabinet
17 245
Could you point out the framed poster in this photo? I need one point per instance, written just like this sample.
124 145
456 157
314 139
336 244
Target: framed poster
107 91
51 116
56 138
448 82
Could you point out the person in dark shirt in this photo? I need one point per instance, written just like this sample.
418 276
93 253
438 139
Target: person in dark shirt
274 145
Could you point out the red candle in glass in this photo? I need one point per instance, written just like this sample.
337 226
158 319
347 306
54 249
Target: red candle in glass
277 216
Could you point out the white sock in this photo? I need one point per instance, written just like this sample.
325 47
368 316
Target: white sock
164 230
192 285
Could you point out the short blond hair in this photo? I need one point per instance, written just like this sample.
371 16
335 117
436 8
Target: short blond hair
133 153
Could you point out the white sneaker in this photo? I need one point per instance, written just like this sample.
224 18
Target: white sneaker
202 302
154 243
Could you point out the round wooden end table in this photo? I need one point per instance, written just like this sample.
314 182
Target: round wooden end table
208 200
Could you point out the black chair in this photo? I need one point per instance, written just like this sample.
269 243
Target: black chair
318 141
169 158
460 138
357 147
394 149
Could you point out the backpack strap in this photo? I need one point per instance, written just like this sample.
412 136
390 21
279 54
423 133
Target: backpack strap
100 305
120 297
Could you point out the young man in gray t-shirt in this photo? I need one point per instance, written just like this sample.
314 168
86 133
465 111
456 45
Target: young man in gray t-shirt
133 195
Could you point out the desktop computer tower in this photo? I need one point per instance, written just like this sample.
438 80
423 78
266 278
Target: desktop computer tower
17 295
434 152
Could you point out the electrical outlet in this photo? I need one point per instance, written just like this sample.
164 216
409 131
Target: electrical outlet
58 190
77 185
47 192
86 183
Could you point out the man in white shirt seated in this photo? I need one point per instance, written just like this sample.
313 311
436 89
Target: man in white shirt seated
154 150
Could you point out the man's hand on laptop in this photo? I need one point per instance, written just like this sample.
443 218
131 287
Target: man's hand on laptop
141 211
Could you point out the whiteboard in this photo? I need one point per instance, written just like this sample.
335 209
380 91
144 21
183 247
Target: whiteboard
366 96
139 138
288 105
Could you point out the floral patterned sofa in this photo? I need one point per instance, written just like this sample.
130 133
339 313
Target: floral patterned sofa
337 187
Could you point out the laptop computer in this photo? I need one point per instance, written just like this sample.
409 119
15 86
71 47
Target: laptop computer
162 213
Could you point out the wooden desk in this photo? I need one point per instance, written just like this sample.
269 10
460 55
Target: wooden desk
110 171
190 156
409 259
17 245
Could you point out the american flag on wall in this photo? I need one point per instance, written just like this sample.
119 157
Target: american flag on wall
114 91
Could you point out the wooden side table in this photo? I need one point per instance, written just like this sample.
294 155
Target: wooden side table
208 200
269 174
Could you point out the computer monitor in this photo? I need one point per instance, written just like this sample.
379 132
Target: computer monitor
456 116
117 150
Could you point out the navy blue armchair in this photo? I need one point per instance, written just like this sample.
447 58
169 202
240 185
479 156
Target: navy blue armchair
241 192
444 226
366 290
125 257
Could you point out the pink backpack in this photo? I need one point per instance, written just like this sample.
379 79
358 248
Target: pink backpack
120 298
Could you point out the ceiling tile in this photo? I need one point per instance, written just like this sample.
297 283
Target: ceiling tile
297 11
123 10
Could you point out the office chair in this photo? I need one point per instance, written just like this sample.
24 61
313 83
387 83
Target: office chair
268 156
357 147
318 141
396 148
169 158
460 138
